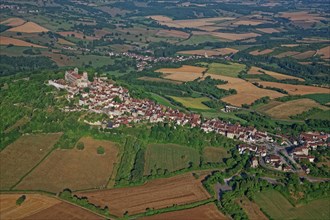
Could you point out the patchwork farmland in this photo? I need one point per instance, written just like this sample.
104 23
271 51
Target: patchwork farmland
29 27
18 158
74 169
256 71
247 93
156 194
17 42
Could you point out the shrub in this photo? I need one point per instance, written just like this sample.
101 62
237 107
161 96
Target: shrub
80 146
100 150
20 200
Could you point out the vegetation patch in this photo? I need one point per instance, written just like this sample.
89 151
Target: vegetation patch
278 207
164 158
194 103
226 69
215 154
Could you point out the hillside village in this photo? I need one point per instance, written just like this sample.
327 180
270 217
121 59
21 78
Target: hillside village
102 96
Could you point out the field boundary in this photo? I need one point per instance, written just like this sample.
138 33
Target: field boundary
44 158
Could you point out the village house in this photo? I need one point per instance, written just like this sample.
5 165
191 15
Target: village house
254 162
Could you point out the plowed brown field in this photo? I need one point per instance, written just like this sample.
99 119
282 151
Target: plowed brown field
205 212
74 169
13 22
155 194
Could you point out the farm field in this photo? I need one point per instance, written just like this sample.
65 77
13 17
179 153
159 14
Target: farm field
74 169
19 123
296 89
230 69
324 52
213 52
13 22
197 39
214 154
76 35
29 27
262 52
304 55
156 194
279 76
228 36
18 158
251 209
17 42
155 79
195 103
283 110
189 23
205 212
170 157
184 74
172 33
268 30
40 207
287 54
65 42
247 93
278 207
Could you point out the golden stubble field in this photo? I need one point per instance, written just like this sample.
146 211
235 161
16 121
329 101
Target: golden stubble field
74 169
296 89
247 93
41 207
210 52
29 27
184 74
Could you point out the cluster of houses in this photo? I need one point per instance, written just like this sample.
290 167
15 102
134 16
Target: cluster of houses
146 61
104 97
309 141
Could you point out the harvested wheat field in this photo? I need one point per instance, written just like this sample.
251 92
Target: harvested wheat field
205 212
283 110
324 52
279 76
296 89
184 74
213 52
268 30
251 209
13 22
156 194
41 207
29 27
17 42
74 169
21 156
247 93
290 45
262 52
172 33
228 36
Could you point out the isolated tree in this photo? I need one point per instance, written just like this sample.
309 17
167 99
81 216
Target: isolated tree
20 200
100 150
80 146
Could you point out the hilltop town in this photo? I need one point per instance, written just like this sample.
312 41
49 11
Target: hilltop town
103 96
